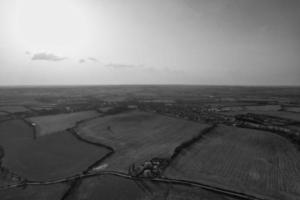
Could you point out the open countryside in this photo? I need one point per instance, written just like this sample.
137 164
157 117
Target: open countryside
153 143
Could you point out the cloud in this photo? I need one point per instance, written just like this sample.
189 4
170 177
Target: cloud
173 70
47 57
85 60
27 52
150 69
93 59
81 61
122 66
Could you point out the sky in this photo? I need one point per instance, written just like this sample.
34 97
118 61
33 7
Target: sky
210 42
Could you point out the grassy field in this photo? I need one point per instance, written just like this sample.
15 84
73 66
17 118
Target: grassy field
116 188
3 113
281 114
4 118
244 160
295 127
50 192
252 108
263 108
52 156
273 110
139 136
108 188
13 109
178 192
292 109
55 123
5 177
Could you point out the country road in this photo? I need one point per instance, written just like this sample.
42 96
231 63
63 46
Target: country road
227 192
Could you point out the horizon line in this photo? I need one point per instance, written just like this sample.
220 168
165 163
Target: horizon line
171 84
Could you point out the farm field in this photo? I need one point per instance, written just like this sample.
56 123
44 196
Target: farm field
108 188
50 192
138 136
5 177
263 108
292 109
178 192
281 114
294 127
48 157
245 160
55 123
116 188
253 108
3 113
13 109
4 118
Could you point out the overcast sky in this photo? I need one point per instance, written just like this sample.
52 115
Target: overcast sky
214 42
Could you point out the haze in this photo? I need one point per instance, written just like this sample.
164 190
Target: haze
214 42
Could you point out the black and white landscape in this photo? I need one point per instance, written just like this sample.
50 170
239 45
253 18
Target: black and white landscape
149 99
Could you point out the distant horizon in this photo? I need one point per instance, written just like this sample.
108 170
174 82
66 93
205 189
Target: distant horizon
117 85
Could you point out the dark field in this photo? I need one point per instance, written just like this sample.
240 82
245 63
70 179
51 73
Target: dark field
150 142
107 186
51 192
53 156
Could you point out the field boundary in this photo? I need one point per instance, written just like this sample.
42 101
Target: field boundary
190 142
77 181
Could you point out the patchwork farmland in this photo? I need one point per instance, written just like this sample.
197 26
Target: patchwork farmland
148 143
